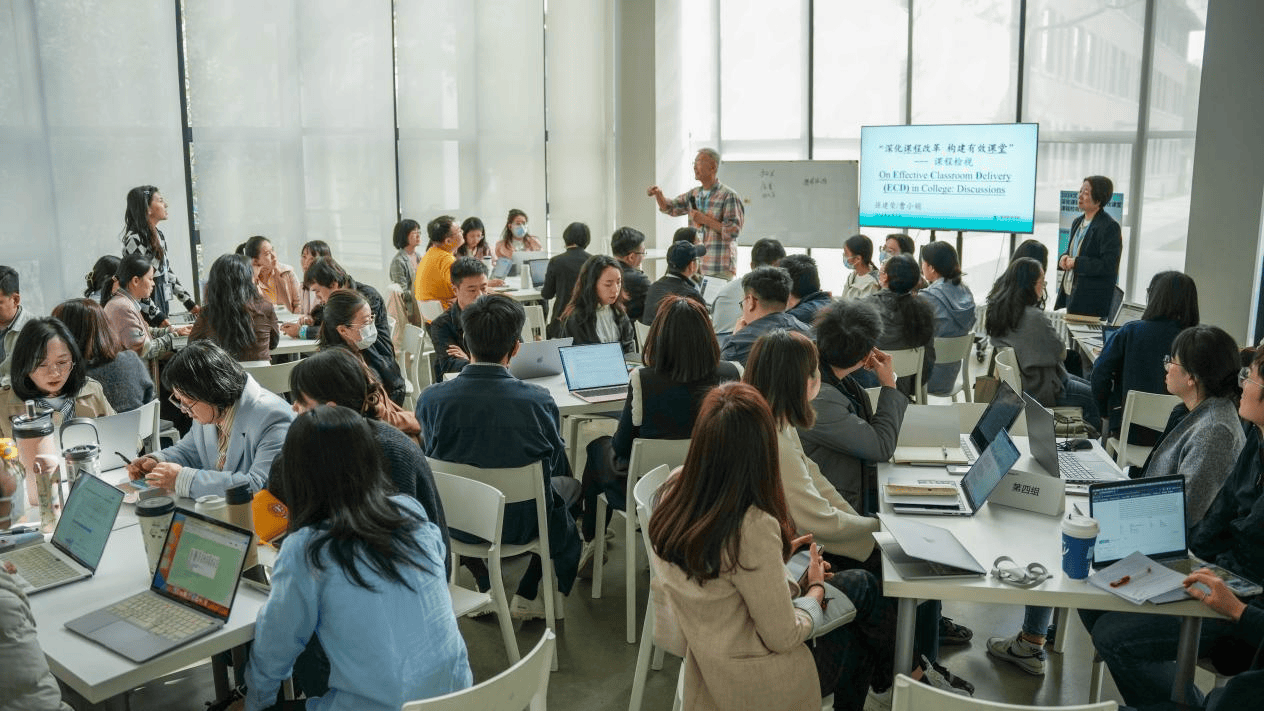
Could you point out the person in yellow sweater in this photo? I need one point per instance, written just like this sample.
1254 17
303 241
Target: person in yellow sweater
433 282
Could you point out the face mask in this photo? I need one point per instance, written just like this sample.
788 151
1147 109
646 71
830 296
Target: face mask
847 261
519 231
883 256
368 336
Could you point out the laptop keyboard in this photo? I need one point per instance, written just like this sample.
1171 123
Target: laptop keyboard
598 392
39 566
160 617
967 449
1072 469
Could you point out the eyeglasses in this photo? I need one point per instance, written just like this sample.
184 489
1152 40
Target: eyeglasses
640 253
186 409
1244 377
1168 363
61 366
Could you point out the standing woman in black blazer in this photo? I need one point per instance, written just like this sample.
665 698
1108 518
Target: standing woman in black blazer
563 272
594 314
1089 269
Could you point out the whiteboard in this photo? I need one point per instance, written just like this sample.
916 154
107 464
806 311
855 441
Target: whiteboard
802 203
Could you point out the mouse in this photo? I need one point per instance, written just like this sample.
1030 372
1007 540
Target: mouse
1079 444
1203 587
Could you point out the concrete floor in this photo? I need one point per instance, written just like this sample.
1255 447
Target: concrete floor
596 663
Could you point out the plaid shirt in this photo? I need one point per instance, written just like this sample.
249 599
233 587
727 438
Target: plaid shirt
132 243
724 205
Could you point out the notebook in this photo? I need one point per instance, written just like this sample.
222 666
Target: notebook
595 372
1000 414
921 550
1148 516
1076 467
972 490
190 595
78 541
538 359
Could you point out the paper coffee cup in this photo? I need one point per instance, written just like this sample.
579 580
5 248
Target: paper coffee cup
212 505
154 515
1079 536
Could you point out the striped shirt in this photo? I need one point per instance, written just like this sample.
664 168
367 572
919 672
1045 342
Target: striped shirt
724 205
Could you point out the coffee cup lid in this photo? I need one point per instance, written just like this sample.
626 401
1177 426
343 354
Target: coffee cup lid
1080 526
155 506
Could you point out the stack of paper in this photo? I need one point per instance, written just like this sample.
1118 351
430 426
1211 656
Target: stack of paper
1139 579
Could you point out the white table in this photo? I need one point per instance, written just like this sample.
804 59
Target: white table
287 345
520 295
96 673
1026 537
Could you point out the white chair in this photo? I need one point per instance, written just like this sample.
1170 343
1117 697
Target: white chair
957 348
518 484
479 510
643 495
642 332
430 310
908 361
1007 369
533 329
273 378
151 426
416 344
1146 410
910 695
647 454
526 682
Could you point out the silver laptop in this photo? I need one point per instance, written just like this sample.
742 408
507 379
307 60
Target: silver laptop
501 270
922 551
711 287
78 541
191 594
538 359
973 488
1128 312
1148 516
1000 414
538 268
595 372
1076 467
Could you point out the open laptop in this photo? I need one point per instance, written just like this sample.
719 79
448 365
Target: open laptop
595 372
191 594
1000 414
711 287
538 268
78 541
1148 515
1128 312
502 268
1076 467
537 359
923 551
972 489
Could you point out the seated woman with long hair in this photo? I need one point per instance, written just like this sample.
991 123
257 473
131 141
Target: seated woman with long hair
276 282
1132 359
336 377
48 368
1016 319
721 534
953 304
348 324
123 376
235 316
122 298
360 576
595 313
682 364
907 321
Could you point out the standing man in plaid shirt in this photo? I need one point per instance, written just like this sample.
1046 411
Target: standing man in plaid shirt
714 210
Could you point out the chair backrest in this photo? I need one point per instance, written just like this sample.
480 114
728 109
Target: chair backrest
643 494
533 328
910 695
1007 369
430 310
1146 410
471 506
526 682
273 378
954 348
149 424
517 483
650 453
906 361
414 344
642 331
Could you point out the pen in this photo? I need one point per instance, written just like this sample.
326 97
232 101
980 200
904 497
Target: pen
122 456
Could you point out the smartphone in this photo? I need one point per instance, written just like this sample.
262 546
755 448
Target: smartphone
258 577
958 469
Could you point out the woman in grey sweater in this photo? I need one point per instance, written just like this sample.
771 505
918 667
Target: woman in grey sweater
1204 435
123 375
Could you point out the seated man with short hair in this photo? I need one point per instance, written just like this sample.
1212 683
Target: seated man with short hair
727 308
767 289
628 246
469 276
806 297
488 418
682 265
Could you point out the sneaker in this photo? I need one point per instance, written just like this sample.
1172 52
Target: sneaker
1025 655
524 609
487 608
586 558
879 700
952 633
938 676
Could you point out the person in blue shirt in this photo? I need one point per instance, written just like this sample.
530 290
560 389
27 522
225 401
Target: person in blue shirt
360 575
806 296
766 296
953 304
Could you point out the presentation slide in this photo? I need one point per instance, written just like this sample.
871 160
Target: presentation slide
971 177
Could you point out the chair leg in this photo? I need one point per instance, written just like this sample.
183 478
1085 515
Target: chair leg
599 548
630 541
657 662
502 610
643 657
1095 682
548 588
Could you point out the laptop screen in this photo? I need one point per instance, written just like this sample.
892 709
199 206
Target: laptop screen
999 415
1128 312
988 470
501 270
597 365
538 269
1040 438
201 561
85 525
1146 515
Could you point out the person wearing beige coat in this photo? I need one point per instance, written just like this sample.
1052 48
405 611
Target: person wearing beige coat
817 507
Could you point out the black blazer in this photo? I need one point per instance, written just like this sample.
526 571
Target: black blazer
585 332
560 278
1096 269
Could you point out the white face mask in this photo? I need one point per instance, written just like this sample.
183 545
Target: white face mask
848 262
368 336
520 231
883 256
